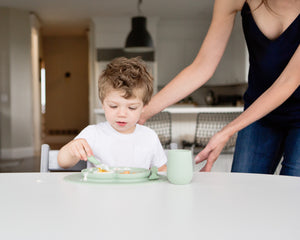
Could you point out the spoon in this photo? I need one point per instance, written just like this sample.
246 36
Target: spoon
153 173
97 163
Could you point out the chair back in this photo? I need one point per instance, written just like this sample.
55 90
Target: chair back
161 123
207 124
49 161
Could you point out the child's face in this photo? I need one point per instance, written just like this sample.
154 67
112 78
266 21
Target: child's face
122 113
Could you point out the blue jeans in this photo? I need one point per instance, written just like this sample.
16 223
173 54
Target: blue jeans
259 149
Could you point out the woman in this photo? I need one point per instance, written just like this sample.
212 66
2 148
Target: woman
271 120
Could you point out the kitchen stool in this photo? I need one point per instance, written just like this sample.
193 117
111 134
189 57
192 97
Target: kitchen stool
161 123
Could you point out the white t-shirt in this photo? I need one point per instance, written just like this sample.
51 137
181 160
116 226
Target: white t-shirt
141 149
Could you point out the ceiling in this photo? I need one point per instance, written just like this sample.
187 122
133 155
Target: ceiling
72 16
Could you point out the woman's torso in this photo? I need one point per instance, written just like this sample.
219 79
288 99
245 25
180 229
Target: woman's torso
272 38
276 17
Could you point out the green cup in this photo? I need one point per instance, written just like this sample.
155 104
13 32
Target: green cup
180 166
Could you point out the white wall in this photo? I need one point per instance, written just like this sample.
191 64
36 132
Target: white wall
233 65
16 84
179 42
112 32
36 83
4 80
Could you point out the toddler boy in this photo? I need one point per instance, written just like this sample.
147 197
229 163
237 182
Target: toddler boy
125 87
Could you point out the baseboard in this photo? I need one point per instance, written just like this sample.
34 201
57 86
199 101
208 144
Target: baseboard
17 153
58 138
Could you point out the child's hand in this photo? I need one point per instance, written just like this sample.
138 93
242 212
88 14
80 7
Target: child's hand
79 148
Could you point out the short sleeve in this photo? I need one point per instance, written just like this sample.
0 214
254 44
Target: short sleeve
160 157
89 134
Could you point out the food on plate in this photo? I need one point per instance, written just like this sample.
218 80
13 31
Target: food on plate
116 170
101 170
127 172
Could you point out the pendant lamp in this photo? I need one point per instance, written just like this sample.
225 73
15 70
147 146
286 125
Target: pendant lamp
139 39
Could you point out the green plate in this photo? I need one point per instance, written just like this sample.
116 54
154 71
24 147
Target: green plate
78 178
134 173
117 174
90 177
92 173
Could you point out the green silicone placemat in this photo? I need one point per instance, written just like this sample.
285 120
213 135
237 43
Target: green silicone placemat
78 178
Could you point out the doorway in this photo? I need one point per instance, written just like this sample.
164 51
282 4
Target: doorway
66 110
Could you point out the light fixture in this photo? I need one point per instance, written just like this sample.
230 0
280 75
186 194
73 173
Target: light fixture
139 40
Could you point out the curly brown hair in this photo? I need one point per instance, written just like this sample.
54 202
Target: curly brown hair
128 75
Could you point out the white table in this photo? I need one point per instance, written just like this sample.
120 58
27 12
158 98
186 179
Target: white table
214 206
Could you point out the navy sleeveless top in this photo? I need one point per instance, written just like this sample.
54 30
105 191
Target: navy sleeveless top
268 58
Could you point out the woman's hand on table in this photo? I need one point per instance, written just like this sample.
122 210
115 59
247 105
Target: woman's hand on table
212 151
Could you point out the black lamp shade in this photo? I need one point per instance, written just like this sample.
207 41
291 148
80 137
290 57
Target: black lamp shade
139 40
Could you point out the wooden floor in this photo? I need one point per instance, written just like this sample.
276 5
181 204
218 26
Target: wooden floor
31 164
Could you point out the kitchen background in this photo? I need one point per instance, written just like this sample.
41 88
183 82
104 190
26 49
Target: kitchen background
70 51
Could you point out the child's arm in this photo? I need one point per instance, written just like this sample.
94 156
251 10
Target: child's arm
73 152
163 168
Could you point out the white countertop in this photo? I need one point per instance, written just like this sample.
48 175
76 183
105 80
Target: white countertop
214 206
175 109
182 109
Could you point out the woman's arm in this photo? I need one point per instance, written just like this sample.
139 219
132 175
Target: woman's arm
205 63
280 91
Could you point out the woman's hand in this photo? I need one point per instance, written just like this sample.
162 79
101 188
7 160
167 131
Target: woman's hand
142 119
212 150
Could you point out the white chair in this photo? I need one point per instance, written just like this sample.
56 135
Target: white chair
49 161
